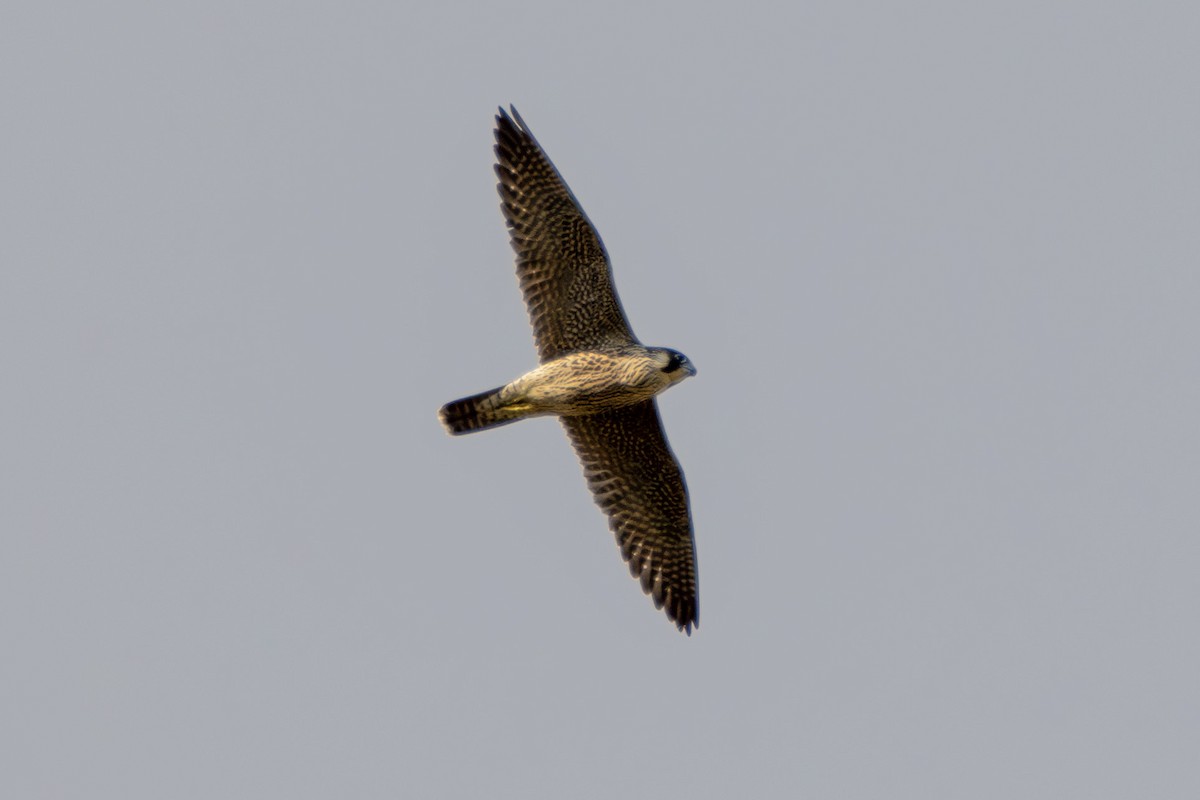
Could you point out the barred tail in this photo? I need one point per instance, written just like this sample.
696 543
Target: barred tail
477 413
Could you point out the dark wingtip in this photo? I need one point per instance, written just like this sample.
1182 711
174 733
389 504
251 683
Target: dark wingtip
504 124
513 118
509 124
684 612
508 135
688 621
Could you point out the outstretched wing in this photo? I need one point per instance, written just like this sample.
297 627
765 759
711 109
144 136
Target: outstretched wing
637 482
561 263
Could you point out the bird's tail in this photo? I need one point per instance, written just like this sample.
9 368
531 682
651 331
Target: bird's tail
479 412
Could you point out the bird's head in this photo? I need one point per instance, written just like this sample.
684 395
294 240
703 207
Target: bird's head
674 363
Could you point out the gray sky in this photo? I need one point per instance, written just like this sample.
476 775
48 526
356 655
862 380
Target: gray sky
936 264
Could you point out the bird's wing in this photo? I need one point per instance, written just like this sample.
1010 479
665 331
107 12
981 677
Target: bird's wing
561 262
638 483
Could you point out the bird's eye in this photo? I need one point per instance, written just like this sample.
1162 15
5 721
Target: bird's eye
674 362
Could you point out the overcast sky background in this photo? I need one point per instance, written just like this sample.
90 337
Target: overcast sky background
936 263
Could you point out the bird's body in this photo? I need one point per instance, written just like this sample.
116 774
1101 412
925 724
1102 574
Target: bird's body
595 375
577 384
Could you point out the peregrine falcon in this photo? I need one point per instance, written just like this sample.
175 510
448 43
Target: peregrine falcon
595 376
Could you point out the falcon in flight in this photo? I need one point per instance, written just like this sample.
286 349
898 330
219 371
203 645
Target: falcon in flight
595 376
